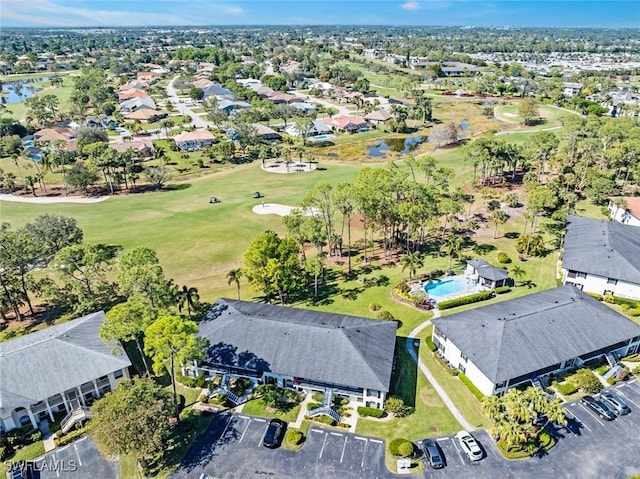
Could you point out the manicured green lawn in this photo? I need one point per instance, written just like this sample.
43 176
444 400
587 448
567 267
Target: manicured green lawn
191 395
19 110
430 418
256 407
31 451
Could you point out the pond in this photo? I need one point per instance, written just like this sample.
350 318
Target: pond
398 145
19 90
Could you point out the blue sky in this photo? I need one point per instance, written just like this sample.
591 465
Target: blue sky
515 13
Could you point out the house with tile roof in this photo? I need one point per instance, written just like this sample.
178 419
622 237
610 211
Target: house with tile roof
299 349
531 339
602 257
194 140
348 123
56 370
625 210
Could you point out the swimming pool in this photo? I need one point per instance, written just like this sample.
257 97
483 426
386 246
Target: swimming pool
438 288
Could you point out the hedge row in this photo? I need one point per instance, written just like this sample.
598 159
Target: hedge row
429 342
565 388
197 382
476 392
449 369
472 298
370 412
502 290
72 436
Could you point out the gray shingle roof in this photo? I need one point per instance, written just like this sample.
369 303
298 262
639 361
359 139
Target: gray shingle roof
487 271
516 337
604 248
339 349
47 362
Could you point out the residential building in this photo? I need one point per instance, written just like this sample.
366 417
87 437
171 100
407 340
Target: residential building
142 147
531 339
145 114
55 370
378 117
266 133
230 105
138 103
194 140
602 257
318 127
47 135
625 210
486 275
299 349
346 123
571 89
217 90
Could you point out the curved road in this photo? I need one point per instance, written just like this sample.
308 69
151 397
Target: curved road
441 392
197 120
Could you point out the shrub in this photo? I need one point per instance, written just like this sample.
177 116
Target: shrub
502 290
472 298
313 405
395 405
587 381
608 298
603 369
467 382
375 306
385 315
199 381
430 344
294 436
55 426
634 312
4 452
597 296
566 388
451 370
186 380
405 449
370 412
503 258
203 399
73 435
636 371
323 419
612 381
396 446
629 302
632 357
403 287
36 436
317 397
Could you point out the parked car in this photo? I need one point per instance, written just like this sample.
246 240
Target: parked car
615 402
274 433
600 408
432 454
469 445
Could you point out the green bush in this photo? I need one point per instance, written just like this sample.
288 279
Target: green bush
370 412
323 419
636 371
449 369
403 287
317 397
467 382
597 296
634 313
398 446
629 302
603 369
587 381
294 436
503 258
375 306
5 451
55 426
429 342
313 405
566 388
632 357
73 435
186 380
608 298
395 405
199 381
36 436
472 298
612 381
405 449
502 290
385 315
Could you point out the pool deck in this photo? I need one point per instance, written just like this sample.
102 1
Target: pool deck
460 278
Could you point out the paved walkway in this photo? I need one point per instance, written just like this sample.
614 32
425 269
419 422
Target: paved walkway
303 411
47 436
441 392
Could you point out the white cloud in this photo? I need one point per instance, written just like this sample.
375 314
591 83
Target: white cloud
410 5
46 12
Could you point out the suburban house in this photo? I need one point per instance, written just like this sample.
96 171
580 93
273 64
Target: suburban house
230 105
138 103
194 140
266 133
602 257
378 117
141 148
100 121
486 275
628 212
148 77
571 89
57 370
131 93
303 106
531 339
300 349
279 98
145 114
318 127
47 135
346 123
217 90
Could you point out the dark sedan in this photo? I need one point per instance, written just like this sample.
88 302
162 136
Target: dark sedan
432 454
600 408
274 433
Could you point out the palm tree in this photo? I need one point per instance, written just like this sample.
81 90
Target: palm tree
452 247
517 272
492 406
233 276
188 297
412 262
498 217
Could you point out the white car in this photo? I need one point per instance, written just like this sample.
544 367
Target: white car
469 445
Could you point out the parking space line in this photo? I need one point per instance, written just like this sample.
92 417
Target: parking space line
317 430
458 451
626 396
376 441
364 454
259 419
360 438
262 435
244 432
55 462
580 421
224 431
592 415
346 438
77 453
442 439
324 443
336 434
244 417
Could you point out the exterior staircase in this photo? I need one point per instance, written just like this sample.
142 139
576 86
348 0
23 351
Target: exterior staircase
536 383
326 408
76 415
611 359
224 389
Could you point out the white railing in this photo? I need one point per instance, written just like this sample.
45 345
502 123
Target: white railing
77 414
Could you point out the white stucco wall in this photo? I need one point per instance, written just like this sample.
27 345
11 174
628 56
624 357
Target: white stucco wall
622 216
598 284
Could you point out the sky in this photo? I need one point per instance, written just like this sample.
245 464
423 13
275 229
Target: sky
511 13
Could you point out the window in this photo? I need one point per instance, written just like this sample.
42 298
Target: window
612 281
118 374
463 357
501 385
462 368
571 274
581 275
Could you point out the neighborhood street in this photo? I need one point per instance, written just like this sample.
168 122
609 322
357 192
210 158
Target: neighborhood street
197 121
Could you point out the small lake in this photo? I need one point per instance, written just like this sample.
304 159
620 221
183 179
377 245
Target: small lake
398 145
19 90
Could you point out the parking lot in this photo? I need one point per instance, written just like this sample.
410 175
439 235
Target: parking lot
231 448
